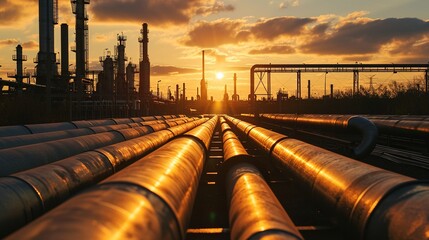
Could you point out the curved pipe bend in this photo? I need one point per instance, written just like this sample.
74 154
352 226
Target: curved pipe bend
369 135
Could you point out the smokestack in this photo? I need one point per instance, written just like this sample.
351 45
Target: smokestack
203 67
177 93
225 94
64 55
235 97
19 58
144 77
332 90
203 83
309 89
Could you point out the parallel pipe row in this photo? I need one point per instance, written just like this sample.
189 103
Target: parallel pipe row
56 182
403 127
371 202
254 211
363 126
16 130
21 140
151 199
21 158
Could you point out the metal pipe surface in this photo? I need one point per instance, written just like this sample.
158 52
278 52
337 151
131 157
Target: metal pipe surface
56 182
367 129
154 198
254 211
355 191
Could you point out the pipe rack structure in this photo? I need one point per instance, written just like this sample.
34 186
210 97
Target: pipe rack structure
57 181
372 203
154 198
367 130
254 211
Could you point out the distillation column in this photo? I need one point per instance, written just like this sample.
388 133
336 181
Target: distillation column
82 49
121 85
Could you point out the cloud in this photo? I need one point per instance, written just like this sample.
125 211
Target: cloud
12 13
30 45
170 70
367 37
229 31
8 42
362 58
290 3
281 49
274 28
216 33
155 12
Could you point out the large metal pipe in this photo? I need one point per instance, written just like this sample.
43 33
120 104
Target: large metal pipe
366 199
254 211
17 159
154 198
56 182
361 125
403 127
8 131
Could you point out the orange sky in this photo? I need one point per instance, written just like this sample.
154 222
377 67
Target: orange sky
237 34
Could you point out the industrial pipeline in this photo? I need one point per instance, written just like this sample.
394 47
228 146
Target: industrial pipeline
372 203
254 211
8 131
21 158
56 182
367 130
151 199
403 127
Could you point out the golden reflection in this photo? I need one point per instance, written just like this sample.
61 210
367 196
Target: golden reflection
121 232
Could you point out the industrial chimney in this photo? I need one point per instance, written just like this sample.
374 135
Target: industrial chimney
144 77
203 83
235 96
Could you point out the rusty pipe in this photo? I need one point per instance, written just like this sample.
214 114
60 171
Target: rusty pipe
365 127
56 182
254 211
154 198
355 191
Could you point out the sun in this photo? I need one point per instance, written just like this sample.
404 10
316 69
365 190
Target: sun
219 75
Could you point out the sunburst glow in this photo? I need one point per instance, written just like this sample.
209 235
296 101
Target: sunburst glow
219 75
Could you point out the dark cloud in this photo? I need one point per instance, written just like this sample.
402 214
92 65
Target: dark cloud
217 33
155 12
353 59
13 12
283 26
320 29
274 50
227 31
367 37
170 70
